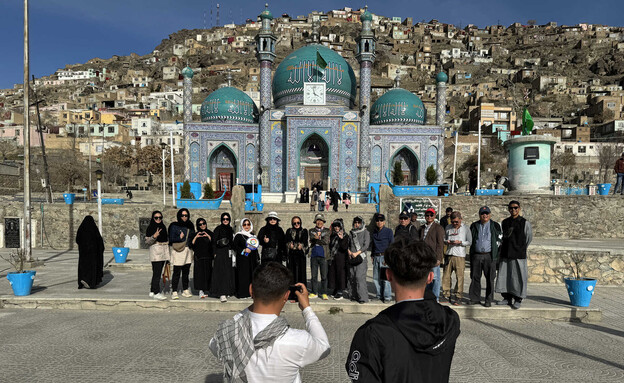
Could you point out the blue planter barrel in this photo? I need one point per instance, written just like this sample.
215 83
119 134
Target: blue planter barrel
580 291
121 254
259 206
603 189
248 206
22 282
69 198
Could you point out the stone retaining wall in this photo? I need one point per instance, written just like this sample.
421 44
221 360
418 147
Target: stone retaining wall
550 216
552 266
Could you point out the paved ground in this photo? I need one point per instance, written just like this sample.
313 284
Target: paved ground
104 346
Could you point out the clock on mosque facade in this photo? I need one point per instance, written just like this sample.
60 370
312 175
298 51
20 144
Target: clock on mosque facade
314 93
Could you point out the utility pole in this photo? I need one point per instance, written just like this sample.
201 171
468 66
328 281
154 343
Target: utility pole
27 219
46 172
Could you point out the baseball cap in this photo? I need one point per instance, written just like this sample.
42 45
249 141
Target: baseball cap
484 209
430 210
404 215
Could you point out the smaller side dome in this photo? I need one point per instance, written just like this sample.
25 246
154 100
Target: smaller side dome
441 77
188 72
366 16
229 104
266 14
398 107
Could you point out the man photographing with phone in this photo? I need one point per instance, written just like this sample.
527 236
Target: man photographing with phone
258 345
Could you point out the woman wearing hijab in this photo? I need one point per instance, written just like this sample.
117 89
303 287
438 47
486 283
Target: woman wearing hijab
158 241
203 256
271 237
297 247
338 246
180 233
90 254
223 272
246 258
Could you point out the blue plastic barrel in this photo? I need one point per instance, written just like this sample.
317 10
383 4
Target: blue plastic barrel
580 291
248 206
121 254
259 206
21 282
69 198
603 189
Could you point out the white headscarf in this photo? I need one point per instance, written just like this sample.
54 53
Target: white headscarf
243 232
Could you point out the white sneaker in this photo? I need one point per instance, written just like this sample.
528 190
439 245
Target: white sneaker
174 295
202 295
223 299
159 297
187 293
151 294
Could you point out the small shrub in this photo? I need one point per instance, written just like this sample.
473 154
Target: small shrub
431 175
397 174
208 192
185 191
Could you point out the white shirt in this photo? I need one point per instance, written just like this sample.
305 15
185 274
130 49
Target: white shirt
292 351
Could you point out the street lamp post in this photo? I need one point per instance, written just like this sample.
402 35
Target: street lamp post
89 139
173 188
164 153
98 175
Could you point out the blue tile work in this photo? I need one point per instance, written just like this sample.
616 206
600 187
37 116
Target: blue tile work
277 155
250 163
348 157
194 158
432 157
375 172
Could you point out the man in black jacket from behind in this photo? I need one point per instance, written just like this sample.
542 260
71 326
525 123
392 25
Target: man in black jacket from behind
413 340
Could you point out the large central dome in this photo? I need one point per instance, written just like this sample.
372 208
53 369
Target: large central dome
300 66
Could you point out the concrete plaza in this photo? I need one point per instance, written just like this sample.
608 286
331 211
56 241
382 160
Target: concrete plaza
117 333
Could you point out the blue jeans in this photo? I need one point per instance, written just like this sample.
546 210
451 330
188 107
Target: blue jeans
318 264
619 183
382 288
435 285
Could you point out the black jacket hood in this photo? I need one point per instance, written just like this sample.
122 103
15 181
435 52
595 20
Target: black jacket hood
427 326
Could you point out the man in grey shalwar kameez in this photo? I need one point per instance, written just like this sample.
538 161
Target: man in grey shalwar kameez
358 247
513 270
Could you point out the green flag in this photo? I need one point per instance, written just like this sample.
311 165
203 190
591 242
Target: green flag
320 62
527 123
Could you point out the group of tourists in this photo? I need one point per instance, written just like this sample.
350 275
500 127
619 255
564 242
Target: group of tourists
322 200
223 262
340 253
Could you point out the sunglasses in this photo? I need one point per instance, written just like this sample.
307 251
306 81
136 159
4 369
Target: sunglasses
296 223
404 219
247 224
429 215
184 215
157 217
454 221
514 207
272 219
202 224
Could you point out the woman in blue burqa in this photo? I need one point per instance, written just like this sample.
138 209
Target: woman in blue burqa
90 254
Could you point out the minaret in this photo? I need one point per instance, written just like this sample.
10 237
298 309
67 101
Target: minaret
187 94
265 46
366 57
441 80
187 97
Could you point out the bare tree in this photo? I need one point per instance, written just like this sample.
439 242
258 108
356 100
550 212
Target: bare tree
8 149
607 155
563 161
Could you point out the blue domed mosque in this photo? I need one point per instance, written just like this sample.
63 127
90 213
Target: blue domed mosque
310 125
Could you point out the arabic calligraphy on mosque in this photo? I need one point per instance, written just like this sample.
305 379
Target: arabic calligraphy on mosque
307 71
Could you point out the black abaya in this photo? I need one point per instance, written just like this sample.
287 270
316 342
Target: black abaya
204 256
245 265
222 272
90 254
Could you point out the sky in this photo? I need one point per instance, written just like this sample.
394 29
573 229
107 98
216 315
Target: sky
74 31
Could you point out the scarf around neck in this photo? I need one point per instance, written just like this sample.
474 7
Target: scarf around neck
236 344
243 232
